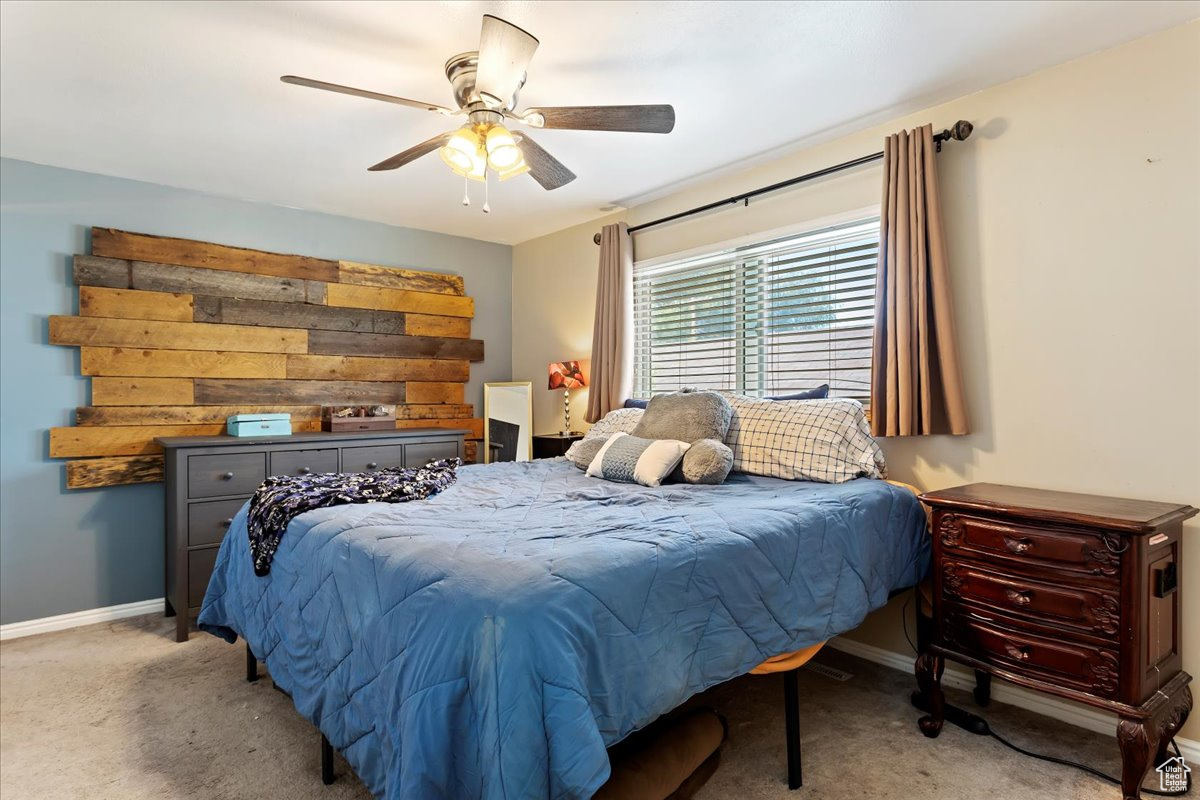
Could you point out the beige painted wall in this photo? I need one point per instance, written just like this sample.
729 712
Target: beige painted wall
1073 219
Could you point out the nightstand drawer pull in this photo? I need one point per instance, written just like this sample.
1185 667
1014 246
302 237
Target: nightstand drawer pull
1020 597
304 470
1018 653
227 522
228 476
372 464
1019 546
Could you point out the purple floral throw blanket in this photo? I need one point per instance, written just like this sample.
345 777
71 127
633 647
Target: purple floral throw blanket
282 498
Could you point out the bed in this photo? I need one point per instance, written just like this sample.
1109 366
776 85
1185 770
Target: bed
493 640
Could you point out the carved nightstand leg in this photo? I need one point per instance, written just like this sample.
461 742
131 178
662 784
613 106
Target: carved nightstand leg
1170 725
1137 744
929 678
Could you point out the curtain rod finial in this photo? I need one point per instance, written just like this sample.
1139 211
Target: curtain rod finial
962 129
596 238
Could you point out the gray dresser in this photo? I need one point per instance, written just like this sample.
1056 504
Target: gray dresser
209 478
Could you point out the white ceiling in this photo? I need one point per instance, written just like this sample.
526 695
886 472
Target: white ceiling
187 93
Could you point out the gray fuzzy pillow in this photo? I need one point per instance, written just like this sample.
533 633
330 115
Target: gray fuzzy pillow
706 461
686 417
585 450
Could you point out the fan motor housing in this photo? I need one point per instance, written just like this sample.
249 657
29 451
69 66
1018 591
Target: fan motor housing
460 71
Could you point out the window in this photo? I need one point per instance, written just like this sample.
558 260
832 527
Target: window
764 319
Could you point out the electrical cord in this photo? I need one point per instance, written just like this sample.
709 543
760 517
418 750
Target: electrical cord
1088 769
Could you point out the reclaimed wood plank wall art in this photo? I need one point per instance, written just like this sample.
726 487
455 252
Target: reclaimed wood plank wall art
176 335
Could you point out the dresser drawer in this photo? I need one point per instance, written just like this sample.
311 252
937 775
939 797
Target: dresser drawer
1059 662
418 455
208 521
304 462
200 568
369 459
1092 611
1078 551
216 475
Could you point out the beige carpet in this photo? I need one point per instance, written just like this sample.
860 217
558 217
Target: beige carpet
122 711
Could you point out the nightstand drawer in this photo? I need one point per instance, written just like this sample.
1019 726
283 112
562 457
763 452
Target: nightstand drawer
304 462
1088 610
418 455
207 522
222 474
1058 662
1078 551
200 569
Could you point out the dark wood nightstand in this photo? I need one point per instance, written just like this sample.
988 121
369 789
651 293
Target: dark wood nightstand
1073 595
550 445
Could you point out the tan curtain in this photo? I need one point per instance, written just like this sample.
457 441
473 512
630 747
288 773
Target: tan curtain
916 387
612 337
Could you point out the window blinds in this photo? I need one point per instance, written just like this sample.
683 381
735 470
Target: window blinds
764 319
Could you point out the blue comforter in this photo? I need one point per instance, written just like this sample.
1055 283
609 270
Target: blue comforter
491 641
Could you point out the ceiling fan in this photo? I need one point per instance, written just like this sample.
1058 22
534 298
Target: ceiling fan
486 84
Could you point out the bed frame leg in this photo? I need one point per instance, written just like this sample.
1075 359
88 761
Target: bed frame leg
326 761
791 716
251 666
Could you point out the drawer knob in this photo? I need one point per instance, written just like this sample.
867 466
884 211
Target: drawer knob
1021 598
228 476
227 523
1014 545
304 470
372 464
1018 653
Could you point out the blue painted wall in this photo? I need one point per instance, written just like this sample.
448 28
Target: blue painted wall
64 551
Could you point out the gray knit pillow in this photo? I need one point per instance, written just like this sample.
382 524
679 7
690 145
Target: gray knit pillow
685 416
706 461
585 450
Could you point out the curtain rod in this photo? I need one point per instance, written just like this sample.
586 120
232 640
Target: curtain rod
961 130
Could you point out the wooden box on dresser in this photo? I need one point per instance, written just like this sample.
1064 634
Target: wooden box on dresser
1070 594
209 478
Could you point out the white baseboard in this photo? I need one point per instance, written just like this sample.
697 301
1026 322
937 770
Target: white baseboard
957 678
15 630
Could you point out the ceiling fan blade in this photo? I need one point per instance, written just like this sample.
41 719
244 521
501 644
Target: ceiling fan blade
387 98
411 154
504 54
543 167
634 119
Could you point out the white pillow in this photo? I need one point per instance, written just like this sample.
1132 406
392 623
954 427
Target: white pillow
811 440
630 459
620 419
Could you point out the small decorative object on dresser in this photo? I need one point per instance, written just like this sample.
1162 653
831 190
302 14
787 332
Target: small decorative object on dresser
243 425
209 479
358 418
1070 594
566 375
551 445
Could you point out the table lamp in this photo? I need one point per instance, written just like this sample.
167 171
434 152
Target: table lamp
566 375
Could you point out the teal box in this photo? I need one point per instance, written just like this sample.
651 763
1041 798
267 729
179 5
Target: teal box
259 425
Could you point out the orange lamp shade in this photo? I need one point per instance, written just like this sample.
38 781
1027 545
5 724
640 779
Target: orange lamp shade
566 375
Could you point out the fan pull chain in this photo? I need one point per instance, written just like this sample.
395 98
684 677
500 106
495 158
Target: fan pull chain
466 194
487 209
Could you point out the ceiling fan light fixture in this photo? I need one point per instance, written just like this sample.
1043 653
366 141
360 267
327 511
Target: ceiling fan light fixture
502 151
461 151
520 168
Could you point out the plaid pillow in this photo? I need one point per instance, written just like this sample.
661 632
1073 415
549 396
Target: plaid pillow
622 420
810 440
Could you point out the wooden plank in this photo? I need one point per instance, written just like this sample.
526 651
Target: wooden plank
430 325
188 253
214 283
121 440
105 272
427 392
176 335
237 311
435 411
471 452
474 427
361 368
228 392
132 362
141 391
192 415
352 296
132 440
398 278
95 301
117 471
346 343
